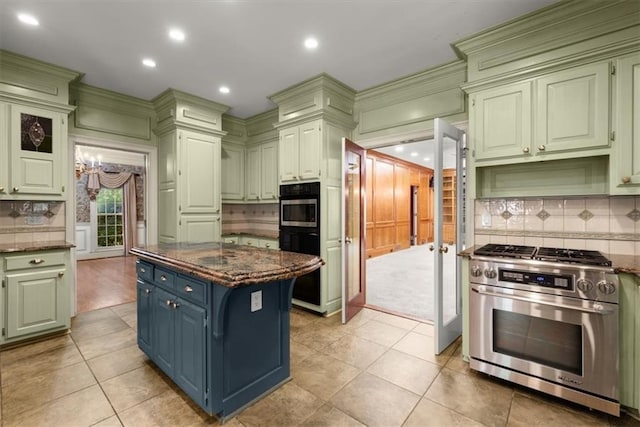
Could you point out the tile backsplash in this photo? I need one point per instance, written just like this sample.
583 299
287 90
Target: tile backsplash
31 221
606 224
250 218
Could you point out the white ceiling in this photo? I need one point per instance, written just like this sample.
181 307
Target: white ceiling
422 153
255 47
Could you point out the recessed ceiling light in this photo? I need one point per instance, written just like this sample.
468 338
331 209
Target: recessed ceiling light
224 89
311 43
426 159
28 19
414 154
176 34
148 62
399 149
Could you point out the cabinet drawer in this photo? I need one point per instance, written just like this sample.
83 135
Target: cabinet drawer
144 270
164 278
191 289
34 260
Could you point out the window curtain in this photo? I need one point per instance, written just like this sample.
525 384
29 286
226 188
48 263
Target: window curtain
127 180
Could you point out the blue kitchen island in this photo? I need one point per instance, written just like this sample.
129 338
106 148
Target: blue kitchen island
214 317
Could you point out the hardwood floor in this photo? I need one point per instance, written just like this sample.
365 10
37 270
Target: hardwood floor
106 282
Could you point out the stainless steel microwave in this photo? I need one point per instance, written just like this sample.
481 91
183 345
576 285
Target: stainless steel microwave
299 213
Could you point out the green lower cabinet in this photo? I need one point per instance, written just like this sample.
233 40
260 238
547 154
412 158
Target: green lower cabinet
37 298
630 340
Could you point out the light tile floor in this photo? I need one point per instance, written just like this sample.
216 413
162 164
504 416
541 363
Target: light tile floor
379 370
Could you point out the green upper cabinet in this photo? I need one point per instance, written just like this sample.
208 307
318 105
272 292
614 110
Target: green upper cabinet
262 173
625 173
199 173
556 116
501 119
4 149
232 185
300 150
34 110
189 161
38 148
573 109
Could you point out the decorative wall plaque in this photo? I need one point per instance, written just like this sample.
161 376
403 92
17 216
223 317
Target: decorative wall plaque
36 133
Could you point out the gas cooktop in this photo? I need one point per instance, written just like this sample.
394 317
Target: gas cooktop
571 256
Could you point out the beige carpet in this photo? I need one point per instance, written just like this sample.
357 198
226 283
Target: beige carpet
402 282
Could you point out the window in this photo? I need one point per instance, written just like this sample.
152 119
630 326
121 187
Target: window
110 220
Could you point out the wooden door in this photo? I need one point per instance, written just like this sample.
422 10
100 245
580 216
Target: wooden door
354 294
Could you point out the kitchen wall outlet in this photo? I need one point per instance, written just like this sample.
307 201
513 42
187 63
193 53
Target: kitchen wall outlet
486 219
256 301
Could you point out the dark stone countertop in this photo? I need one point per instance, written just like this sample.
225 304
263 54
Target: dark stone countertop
228 264
7 248
620 263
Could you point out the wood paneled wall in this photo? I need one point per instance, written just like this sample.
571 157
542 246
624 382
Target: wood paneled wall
388 215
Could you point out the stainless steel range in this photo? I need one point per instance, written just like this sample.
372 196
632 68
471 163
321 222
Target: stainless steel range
547 318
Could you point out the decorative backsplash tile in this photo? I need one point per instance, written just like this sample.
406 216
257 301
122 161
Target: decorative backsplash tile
249 218
31 221
608 224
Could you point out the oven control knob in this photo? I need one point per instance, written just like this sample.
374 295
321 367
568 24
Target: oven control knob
585 285
606 288
476 271
490 273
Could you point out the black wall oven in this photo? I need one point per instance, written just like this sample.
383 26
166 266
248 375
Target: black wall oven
300 232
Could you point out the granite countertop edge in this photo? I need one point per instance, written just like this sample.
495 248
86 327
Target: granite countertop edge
8 248
259 234
620 263
235 280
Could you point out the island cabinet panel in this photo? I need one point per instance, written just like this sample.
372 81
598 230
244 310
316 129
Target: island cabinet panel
144 303
190 341
163 331
223 346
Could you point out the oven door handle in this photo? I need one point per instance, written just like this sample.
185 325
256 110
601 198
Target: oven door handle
549 303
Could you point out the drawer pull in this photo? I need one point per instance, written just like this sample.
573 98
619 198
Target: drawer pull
188 288
36 261
16 189
143 270
163 278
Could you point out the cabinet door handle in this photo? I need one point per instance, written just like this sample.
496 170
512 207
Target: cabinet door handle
169 302
626 180
175 304
541 147
16 189
1 189
188 288
147 291
61 273
143 270
36 261
163 278
525 150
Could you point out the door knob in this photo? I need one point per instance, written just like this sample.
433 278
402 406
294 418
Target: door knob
541 147
525 150
16 189
348 240
625 180
1 189
444 249
431 248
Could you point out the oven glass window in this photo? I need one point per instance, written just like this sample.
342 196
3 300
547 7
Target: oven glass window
548 342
